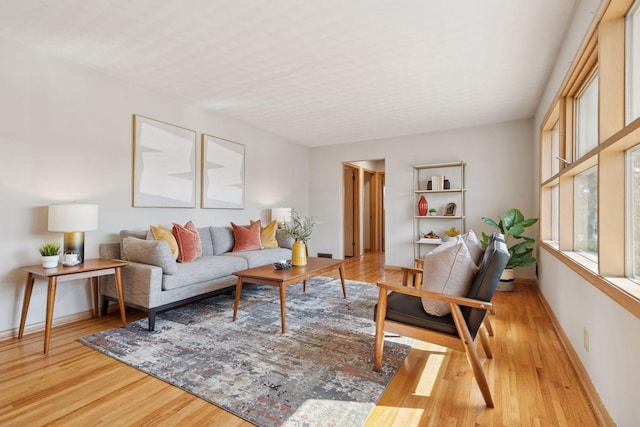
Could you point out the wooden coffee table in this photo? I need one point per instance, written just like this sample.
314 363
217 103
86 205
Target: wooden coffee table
268 275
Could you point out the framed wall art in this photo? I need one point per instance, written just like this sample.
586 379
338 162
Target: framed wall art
222 173
164 164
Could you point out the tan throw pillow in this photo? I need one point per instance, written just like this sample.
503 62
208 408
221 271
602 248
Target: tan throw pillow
449 272
161 233
268 234
188 239
246 238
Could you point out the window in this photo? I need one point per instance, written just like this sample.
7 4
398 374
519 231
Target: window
555 148
633 63
555 213
587 118
585 222
633 213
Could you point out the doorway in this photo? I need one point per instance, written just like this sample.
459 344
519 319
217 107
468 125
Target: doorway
363 189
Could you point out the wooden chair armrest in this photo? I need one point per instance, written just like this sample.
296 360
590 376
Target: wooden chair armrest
467 302
411 269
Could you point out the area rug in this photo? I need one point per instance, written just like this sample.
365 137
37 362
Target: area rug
319 373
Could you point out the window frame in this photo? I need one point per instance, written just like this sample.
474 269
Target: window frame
603 50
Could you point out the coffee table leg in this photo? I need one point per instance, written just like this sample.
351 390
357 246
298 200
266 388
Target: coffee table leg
344 289
238 292
283 298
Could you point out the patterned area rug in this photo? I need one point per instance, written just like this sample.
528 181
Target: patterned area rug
319 373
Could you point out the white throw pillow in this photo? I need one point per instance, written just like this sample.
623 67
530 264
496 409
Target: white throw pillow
449 271
474 246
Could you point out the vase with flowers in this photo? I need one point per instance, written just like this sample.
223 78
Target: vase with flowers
300 228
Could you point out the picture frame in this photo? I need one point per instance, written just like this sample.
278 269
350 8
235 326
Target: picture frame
222 174
450 209
164 164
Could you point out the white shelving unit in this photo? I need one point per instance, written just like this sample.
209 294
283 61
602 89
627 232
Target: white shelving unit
438 199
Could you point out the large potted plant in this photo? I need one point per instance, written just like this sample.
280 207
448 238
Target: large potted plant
513 225
300 228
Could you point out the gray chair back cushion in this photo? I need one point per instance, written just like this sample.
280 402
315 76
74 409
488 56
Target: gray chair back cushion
486 281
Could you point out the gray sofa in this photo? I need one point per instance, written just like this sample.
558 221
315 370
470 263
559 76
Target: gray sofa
147 287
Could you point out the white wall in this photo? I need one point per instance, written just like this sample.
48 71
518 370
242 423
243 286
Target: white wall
499 176
612 362
66 134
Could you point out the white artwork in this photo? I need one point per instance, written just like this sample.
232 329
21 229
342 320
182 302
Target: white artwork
164 164
222 173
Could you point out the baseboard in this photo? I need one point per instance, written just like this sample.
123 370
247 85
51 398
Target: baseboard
39 326
599 410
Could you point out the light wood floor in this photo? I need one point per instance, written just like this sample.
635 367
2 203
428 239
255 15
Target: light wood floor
532 381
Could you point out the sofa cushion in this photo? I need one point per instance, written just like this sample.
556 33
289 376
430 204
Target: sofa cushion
450 272
263 257
268 234
221 239
188 239
247 238
138 234
161 233
203 269
284 240
153 252
205 241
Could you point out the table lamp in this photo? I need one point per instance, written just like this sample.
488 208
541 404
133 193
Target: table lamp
73 220
281 215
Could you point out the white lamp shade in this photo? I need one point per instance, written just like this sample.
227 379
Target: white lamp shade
281 214
73 217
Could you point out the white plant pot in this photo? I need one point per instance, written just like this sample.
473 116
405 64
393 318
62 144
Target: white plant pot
506 280
50 261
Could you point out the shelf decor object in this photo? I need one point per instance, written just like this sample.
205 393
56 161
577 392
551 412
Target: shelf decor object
423 206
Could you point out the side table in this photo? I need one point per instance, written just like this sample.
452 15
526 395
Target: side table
90 268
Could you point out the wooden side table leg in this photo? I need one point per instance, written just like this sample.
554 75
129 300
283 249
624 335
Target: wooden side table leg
96 309
283 298
237 301
51 298
344 289
28 288
123 314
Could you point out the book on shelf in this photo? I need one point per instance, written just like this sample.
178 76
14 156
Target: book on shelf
438 182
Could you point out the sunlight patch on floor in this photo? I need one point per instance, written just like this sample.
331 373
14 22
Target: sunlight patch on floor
429 375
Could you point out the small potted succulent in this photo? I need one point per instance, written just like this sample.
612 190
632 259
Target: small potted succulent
432 211
50 253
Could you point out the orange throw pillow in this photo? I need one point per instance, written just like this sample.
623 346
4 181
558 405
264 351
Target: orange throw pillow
268 234
189 245
246 238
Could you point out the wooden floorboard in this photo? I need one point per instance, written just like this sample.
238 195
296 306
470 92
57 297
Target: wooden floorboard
530 376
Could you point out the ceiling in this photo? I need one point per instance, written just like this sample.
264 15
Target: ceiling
317 72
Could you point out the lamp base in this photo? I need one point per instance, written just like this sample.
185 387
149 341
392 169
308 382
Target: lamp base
74 243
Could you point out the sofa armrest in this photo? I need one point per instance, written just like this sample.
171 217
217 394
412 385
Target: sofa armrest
141 283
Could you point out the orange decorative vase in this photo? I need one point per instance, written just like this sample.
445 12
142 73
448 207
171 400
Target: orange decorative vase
423 206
